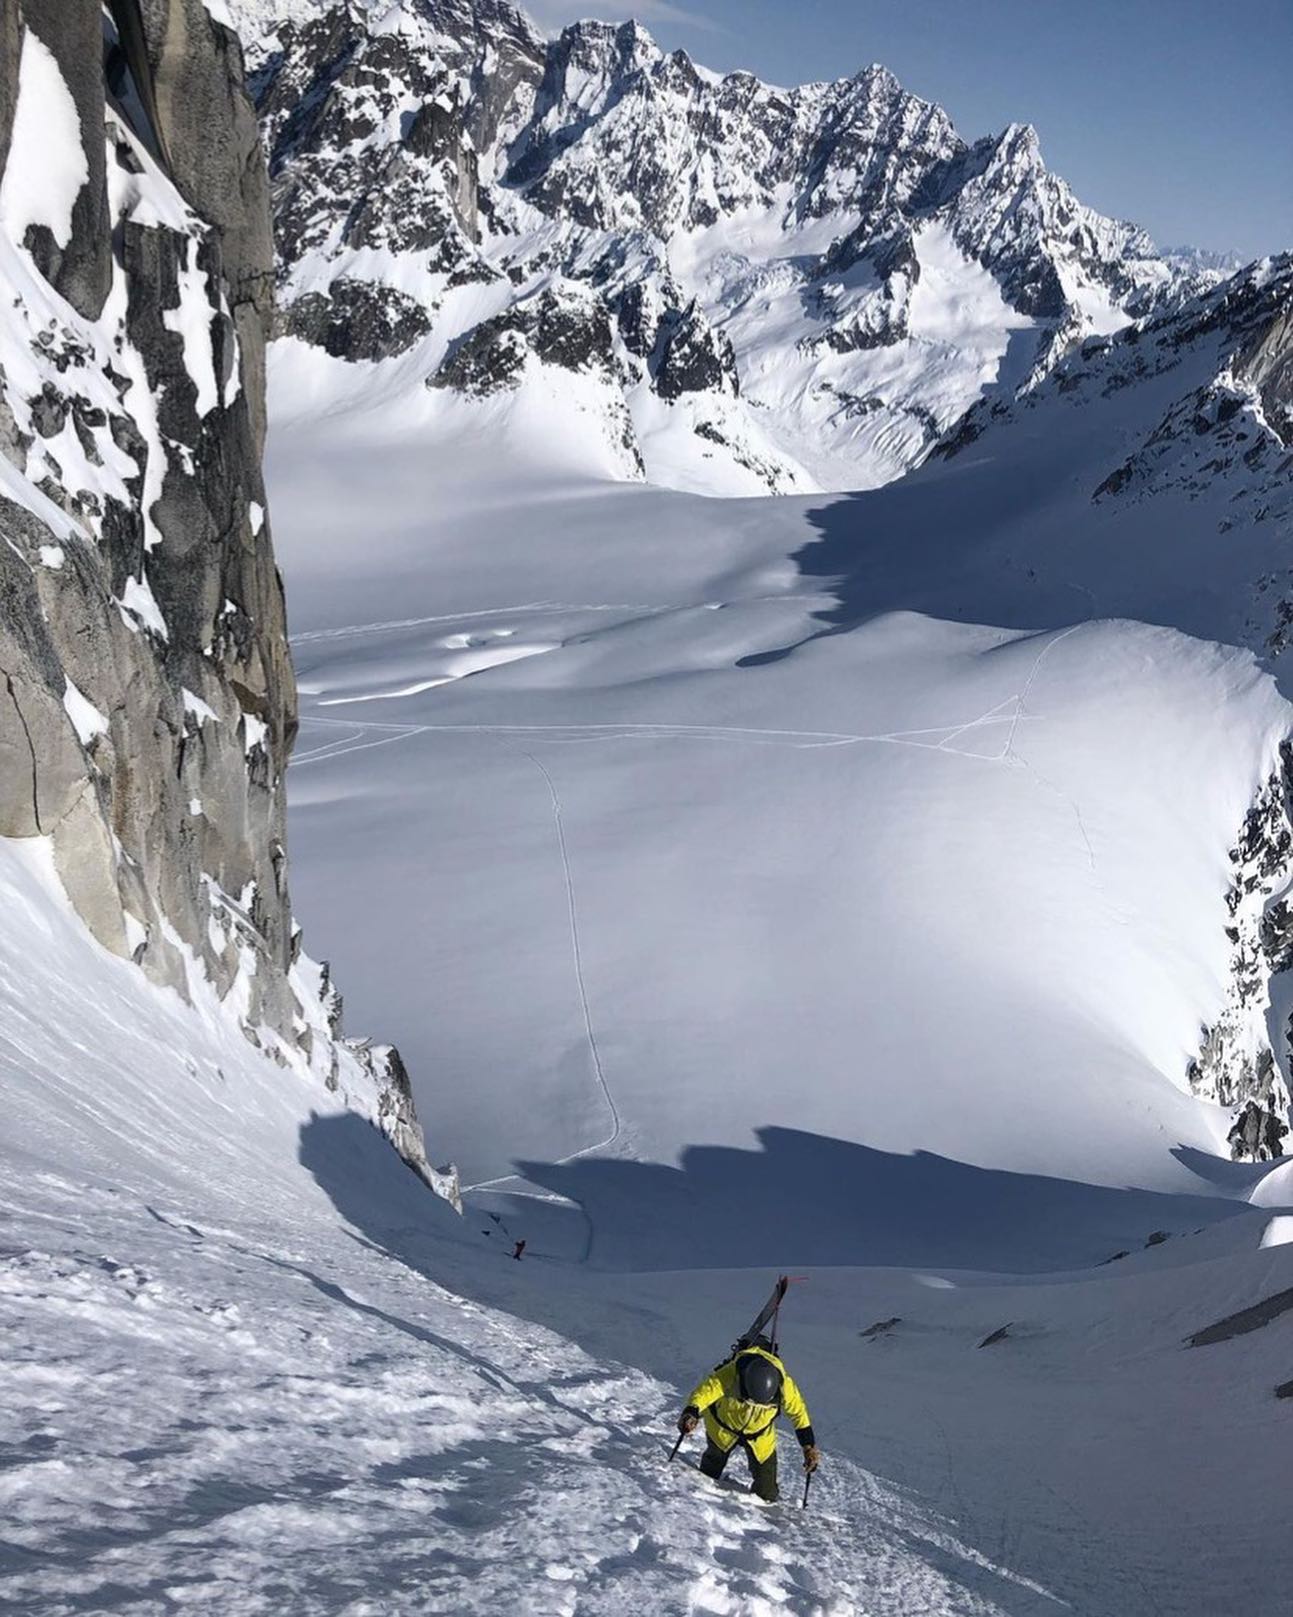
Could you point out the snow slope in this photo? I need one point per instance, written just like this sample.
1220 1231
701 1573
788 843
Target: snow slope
819 883
775 862
252 1364
220 1394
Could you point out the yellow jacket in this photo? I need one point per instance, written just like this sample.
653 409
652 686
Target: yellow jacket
730 1419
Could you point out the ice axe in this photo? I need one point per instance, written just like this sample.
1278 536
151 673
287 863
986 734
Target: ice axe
808 1482
684 1431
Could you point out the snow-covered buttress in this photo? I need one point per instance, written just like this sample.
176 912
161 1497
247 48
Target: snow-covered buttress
147 704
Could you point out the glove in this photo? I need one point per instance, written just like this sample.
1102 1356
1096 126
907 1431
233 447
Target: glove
688 1421
812 1458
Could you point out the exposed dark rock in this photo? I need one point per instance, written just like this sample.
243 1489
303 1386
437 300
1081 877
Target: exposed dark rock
765 470
1267 362
573 333
961 436
1257 1135
490 358
1118 479
1237 1065
999 1335
1247 1319
694 358
48 411
353 166
356 320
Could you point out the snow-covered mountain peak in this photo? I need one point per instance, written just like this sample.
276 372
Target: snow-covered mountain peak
859 274
1203 260
1020 147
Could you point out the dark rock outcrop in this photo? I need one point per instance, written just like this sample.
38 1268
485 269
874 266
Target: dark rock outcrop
356 320
571 332
1257 1135
370 151
1245 1056
693 357
1247 1319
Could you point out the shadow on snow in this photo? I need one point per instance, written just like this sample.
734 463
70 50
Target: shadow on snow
801 1199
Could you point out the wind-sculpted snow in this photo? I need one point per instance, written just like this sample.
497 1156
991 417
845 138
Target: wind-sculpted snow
810 285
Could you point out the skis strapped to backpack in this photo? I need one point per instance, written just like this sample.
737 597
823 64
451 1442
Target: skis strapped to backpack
768 1314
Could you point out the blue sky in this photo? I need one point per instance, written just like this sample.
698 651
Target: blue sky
1175 113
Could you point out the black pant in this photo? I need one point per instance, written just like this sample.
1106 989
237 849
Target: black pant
763 1473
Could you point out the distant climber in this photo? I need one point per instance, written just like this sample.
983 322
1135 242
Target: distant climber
520 1247
740 1402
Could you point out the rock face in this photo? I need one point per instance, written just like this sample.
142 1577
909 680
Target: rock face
356 320
1232 429
821 279
1246 1056
1257 1136
147 704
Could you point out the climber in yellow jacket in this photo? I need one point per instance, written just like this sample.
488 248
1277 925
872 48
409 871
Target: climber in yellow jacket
740 1402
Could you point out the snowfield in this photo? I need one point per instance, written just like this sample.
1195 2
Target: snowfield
224 1392
832 885
919 885
251 1364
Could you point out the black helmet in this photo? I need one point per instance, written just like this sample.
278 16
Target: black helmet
760 1379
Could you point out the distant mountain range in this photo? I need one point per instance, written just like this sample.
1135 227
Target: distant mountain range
709 281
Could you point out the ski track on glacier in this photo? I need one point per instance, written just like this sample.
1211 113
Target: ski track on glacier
1011 710
350 631
802 740
567 734
590 1032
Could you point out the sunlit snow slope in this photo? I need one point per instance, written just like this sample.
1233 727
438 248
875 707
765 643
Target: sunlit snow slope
666 861
232 1384
838 883
251 1364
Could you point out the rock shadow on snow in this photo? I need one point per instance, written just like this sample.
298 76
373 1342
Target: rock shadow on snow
798 1199
916 545
806 1199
